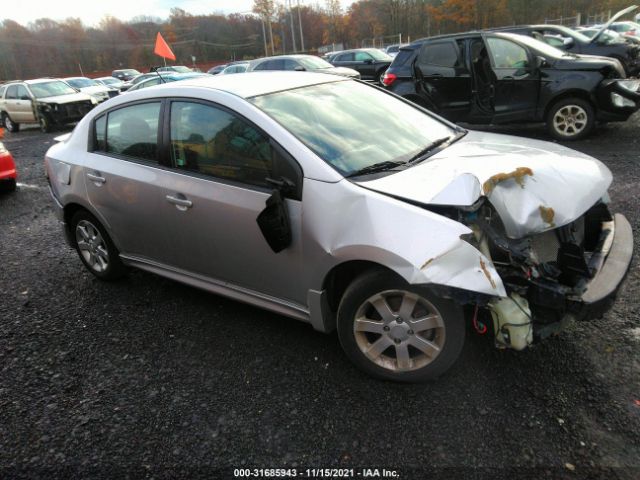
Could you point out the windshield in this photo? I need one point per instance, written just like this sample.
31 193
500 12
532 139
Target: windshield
131 72
51 89
110 81
314 63
608 36
378 55
541 47
352 126
181 69
81 82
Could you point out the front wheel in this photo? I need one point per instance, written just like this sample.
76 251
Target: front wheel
45 123
95 248
397 331
571 119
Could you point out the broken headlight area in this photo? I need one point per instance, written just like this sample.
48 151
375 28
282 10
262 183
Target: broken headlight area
545 275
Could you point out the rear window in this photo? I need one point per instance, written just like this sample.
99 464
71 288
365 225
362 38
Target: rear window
402 57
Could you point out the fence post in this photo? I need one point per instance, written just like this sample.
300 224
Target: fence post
578 18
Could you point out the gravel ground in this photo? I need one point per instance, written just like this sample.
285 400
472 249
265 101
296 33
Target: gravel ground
149 378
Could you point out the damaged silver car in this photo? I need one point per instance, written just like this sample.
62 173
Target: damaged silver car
344 206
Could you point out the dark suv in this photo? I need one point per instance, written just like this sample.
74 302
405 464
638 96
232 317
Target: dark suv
371 63
498 78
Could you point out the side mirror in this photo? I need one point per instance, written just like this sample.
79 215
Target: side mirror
300 68
368 61
568 42
541 62
25 97
274 222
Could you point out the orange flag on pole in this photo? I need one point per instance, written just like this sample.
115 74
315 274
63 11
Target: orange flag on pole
162 48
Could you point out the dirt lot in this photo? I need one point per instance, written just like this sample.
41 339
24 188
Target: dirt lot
149 378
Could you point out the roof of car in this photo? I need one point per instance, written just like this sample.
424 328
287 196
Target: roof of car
41 80
253 84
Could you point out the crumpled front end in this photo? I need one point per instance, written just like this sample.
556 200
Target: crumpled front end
618 99
568 273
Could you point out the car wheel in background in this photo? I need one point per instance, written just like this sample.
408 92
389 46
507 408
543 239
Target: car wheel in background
10 125
7 186
95 248
45 123
397 331
571 119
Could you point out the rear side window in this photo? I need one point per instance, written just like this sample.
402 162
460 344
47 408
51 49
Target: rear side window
439 54
132 131
2 89
12 91
214 142
100 143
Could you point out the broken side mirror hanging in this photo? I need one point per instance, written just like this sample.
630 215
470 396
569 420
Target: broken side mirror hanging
274 219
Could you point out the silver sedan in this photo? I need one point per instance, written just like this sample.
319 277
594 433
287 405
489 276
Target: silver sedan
339 204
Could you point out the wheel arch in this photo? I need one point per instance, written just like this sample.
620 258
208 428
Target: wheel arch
72 207
571 93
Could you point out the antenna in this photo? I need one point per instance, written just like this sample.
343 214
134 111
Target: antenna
155 70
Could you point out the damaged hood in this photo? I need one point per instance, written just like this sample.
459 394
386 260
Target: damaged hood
68 98
533 185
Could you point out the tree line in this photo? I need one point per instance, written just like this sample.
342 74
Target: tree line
47 47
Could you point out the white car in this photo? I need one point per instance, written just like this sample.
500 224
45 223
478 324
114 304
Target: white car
342 205
97 90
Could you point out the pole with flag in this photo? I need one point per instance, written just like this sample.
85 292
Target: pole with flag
163 50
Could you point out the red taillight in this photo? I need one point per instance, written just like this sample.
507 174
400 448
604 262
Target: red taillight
389 78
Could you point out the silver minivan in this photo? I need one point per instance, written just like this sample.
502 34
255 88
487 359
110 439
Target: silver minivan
339 204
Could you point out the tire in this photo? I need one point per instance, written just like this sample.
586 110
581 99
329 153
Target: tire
9 124
380 76
7 186
45 124
571 119
393 345
95 248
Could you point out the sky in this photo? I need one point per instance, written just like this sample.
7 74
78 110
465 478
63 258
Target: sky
90 12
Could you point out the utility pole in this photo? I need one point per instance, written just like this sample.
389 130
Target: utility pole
264 36
293 32
300 25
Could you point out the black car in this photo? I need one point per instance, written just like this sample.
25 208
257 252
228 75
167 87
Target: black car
498 78
370 62
125 74
575 42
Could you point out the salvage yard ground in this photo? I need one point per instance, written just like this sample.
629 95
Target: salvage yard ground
147 377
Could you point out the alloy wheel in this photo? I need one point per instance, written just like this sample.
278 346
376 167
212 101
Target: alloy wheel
570 120
92 246
399 330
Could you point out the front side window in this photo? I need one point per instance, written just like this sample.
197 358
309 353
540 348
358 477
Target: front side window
362 57
212 141
351 126
23 93
506 54
133 131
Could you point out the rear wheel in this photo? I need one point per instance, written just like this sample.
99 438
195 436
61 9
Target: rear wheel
10 125
571 119
95 248
8 185
397 331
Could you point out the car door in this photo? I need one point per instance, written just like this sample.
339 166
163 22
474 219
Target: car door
19 104
365 64
221 163
126 181
443 79
517 81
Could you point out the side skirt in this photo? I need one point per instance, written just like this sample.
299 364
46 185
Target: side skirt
225 289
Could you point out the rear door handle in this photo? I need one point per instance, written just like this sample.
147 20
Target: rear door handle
180 201
96 178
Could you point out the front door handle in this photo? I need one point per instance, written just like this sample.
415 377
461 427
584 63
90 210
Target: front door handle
96 178
180 201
